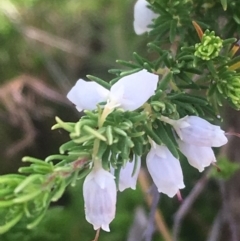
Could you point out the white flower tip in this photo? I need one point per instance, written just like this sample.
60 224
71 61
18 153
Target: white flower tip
133 186
138 30
105 227
200 169
221 140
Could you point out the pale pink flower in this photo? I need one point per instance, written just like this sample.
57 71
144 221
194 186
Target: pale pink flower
99 192
165 170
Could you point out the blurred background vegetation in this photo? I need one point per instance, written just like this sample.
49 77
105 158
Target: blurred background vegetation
45 46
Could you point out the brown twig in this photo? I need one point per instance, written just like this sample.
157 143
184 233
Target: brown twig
187 204
160 222
216 227
151 220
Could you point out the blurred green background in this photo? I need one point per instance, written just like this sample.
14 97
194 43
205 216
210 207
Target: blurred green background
45 46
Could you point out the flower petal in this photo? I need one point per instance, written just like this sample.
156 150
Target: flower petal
143 16
132 91
165 170
87 94
99 192
126 179
198 156
197 131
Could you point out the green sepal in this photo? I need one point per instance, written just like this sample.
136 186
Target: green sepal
42 169
115 71
151 133
167 138
115 80
28 180
124 149
128 72
4 228
84 173
186 106
102 148
127 63
148 66
106 158
173 29
193 71
27 197
83 139
117 175
138 146
135 165
59 190
68 126
119 131
66 146
155 47
137 118
140 60
236 18
11 178
4 204
103 83
36 220
95 133
109 135
55 157
4 192
34 160
164 82
229 40
184 97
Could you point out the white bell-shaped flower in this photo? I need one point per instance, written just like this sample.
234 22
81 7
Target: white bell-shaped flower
165 170
143 16
99 192
197 156
126 179
129 93
197 131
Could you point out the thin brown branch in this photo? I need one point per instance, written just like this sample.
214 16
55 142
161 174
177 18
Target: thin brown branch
148 234
187 204
160 222
214 234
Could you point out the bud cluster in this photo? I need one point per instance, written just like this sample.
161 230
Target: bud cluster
210 46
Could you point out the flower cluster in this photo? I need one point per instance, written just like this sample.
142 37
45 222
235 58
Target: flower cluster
195 137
